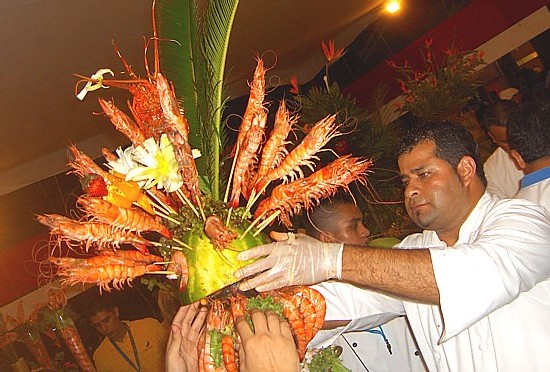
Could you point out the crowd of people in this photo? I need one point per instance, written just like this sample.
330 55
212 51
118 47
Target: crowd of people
471 292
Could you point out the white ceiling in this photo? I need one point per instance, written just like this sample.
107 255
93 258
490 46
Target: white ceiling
44 42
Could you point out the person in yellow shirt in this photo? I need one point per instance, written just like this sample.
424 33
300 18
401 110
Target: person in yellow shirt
128 346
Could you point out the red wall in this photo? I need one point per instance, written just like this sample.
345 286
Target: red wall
475 24
19 268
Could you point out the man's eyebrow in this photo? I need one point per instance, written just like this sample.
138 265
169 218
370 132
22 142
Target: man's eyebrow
102 320
416 170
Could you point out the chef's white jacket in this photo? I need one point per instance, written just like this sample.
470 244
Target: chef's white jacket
494 285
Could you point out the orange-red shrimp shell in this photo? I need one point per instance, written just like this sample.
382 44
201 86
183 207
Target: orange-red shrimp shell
90 234
130 219
247 158
228 353
274 150
322 132
219 234
308 192
122 122
178 265
104 275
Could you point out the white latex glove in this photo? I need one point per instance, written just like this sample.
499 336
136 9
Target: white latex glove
300 260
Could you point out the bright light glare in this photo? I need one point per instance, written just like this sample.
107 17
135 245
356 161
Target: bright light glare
392 6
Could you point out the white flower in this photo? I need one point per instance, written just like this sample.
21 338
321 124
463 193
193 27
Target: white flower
158 165
124 162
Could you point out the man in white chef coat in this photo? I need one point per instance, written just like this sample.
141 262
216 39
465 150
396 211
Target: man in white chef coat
468 283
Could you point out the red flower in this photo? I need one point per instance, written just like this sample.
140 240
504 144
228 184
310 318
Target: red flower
450 51
391 63
294 84
428 42
330 52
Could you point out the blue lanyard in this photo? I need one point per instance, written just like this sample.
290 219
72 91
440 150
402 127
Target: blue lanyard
123 354
381 333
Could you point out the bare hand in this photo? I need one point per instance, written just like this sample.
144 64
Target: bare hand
300 260
181 352
269 347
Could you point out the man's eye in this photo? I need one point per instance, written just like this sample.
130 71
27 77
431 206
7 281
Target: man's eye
423 174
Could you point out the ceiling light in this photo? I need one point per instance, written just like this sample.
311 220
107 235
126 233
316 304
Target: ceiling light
393 6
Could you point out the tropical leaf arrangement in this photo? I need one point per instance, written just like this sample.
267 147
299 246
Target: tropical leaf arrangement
443 86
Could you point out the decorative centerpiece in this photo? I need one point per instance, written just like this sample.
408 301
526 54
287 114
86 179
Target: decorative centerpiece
154 209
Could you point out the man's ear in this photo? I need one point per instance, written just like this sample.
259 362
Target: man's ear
518 159
466 170
116 311
324 237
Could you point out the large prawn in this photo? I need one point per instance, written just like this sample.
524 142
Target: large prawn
306 193
311 305
274 150
247 158
130 219
289 169
115 274
122 122
297 325
90 233
251 132
177 129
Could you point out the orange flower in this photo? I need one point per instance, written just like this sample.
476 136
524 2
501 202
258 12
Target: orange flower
330 52
294 84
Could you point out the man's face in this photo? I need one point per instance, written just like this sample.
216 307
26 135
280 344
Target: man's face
499 137
348 227
435 197
106 322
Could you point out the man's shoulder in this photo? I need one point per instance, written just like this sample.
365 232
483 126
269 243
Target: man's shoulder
144 324
101 349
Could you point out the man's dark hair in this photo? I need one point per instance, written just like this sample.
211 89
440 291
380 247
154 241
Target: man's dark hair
498 114
321 218
99 304
529 131
452 142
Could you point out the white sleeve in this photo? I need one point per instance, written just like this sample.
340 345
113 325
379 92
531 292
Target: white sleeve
495 184
509 256
363 308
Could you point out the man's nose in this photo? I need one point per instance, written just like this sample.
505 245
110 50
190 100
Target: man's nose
411 190
365 232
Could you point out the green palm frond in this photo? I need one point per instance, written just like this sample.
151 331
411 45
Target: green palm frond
177 27
196 66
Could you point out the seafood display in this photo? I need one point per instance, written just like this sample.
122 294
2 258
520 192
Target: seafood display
148 197
302 306
148 210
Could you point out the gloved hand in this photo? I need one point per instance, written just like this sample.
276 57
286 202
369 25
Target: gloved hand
300 260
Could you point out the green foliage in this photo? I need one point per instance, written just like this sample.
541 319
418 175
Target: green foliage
369 135
325 360
442 87
193 53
